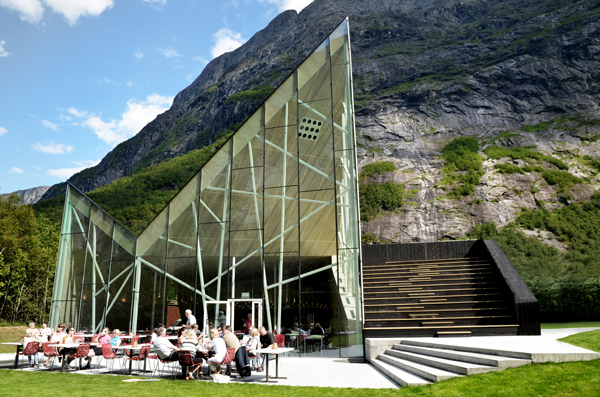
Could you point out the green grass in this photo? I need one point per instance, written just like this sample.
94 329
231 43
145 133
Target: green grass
588 340
578 324
11 334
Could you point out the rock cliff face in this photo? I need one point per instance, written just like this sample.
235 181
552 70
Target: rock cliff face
510 73
30 196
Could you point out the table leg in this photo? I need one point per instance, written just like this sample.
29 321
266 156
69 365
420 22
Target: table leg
64 361
130 362
17 357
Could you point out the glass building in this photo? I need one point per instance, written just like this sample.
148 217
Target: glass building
269 226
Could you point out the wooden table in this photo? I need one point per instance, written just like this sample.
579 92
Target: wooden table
277 352
19 346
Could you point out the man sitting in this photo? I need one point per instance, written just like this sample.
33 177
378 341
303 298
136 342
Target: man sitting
164 348
230 339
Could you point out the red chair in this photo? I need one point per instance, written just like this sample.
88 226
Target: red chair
144 351
78 339
107 354
49 352
31 349
163 362
186 360
227 360
280 340
82 352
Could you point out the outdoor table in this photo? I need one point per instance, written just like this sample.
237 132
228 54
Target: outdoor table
19 347
277 352
313 337
297 340
64 352
138 347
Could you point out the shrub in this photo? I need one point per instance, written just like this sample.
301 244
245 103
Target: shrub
378 167
509 169
377 196
461 154
565 180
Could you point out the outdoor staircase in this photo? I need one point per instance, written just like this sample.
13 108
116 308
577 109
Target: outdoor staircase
414 363
444 297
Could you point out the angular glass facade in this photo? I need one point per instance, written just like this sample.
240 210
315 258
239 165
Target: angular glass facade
273 215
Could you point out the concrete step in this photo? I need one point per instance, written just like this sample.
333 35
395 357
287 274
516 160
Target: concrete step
469 349
432 374
459 367
398 375
475 358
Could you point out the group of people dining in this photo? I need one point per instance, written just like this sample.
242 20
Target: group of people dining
211 348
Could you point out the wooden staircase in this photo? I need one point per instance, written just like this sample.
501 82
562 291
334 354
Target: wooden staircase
444 297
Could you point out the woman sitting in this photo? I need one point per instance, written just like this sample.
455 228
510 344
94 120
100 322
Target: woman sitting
217 344
115 341
252 344
103 339
56 338
31 336
181 336
190 343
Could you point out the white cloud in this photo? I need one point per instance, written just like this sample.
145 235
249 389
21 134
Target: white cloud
66 173
190 77
77 113
3 52
284 5
169 52
226 40
63 117
129 83
16 170
33 10
133 119
52 148
156 3
74 9
3 131
51 125
138 54
30 11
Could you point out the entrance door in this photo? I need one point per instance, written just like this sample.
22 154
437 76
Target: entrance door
232 312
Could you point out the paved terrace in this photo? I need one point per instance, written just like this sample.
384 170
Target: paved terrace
316 369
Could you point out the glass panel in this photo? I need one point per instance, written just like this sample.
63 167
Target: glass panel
317 229
311 65
183 199
151 295
152 232
80 223
318 87
246 205
102 220
248 130
79 201
350 337
182 234
125 242
119 300
216 167
276 101
180 288
338 41
286 115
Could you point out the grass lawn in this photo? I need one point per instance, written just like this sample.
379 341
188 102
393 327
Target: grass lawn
581 324
10 334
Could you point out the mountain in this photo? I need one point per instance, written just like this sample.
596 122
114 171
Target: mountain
521 78
30 196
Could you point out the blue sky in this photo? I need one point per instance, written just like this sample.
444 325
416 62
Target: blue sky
77 77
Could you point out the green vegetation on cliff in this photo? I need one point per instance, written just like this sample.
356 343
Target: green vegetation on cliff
462 168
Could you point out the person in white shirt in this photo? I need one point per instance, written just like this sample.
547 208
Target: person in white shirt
31 336
217 344
45 332
164 348
191 320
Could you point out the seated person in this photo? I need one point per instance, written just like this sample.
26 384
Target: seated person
253 344
115 341
181 336
165 350
266 341
45 332
31 336
217 344
56 338
103 339
230 339
190 343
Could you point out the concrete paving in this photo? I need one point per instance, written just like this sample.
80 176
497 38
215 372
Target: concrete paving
326 369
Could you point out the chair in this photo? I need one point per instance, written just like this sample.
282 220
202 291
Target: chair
82 351
78 339
280 340
49 352
226 360
163 362
144 351
186 360
31 349
107 354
